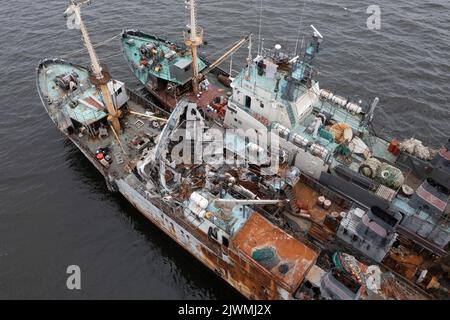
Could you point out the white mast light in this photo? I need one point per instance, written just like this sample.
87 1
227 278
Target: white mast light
317 32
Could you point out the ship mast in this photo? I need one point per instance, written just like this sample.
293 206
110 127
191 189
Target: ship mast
101 78
193 40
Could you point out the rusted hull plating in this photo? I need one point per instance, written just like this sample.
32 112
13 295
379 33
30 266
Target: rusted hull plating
247 277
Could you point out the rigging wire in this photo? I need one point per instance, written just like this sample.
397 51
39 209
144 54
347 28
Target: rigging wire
260 27
113 56
80 51
300 27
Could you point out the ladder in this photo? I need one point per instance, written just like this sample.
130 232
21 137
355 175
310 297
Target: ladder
292 200
291 115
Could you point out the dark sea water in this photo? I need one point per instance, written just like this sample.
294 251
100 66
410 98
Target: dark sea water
55 210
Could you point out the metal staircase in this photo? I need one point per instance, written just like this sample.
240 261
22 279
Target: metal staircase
291 115
292 200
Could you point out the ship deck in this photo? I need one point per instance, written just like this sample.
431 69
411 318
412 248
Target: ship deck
61 101
308 197
131 45
203 99
134 129
283 256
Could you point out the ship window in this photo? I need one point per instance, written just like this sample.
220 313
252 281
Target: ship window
261 105
212 233
384 216
225 241
248 101
119 91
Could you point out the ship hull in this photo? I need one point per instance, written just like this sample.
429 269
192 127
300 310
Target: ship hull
237 270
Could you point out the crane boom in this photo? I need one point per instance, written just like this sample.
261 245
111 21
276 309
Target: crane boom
222 58
100 80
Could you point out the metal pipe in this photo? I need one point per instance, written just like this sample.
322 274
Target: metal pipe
118 140
372 109
237 202
149 117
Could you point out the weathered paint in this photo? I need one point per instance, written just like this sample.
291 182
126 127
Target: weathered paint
240 271
259 233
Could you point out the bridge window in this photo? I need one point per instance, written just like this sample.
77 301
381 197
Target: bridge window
225 241
212 233
248 102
